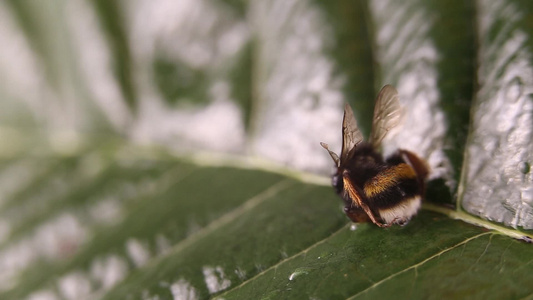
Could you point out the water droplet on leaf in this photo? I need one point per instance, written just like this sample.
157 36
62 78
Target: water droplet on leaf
299 272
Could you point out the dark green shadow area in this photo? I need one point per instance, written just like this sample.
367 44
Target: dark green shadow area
353 54
239 6
242 81
112 19
439 193
454 33
178 83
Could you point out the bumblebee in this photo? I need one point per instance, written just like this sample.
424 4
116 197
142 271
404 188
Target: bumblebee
383 191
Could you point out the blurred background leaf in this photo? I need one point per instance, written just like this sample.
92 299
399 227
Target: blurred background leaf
169 149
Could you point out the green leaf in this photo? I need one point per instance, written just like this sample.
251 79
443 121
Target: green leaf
351 265
250 234
160 149
112 21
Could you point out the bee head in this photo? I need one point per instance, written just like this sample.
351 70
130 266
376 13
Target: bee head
336 182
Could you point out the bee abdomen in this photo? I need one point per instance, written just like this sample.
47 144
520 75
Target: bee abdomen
395 187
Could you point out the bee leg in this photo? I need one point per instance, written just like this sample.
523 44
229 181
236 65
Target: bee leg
400 221
385 225
358 199
371 216
403 223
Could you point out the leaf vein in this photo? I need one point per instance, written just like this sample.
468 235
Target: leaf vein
275 267
226 218
415 266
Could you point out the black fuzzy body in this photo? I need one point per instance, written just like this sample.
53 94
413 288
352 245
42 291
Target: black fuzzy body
382 184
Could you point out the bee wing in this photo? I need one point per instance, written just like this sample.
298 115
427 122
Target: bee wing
351 135
387 113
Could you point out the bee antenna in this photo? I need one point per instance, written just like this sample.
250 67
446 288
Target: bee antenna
333 155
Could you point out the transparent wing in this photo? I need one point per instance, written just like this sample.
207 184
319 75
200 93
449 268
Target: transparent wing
387 114
351 135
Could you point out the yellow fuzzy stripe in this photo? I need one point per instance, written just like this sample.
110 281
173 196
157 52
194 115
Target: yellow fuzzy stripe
388 178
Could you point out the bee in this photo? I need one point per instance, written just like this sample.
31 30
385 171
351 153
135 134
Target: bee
383 191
